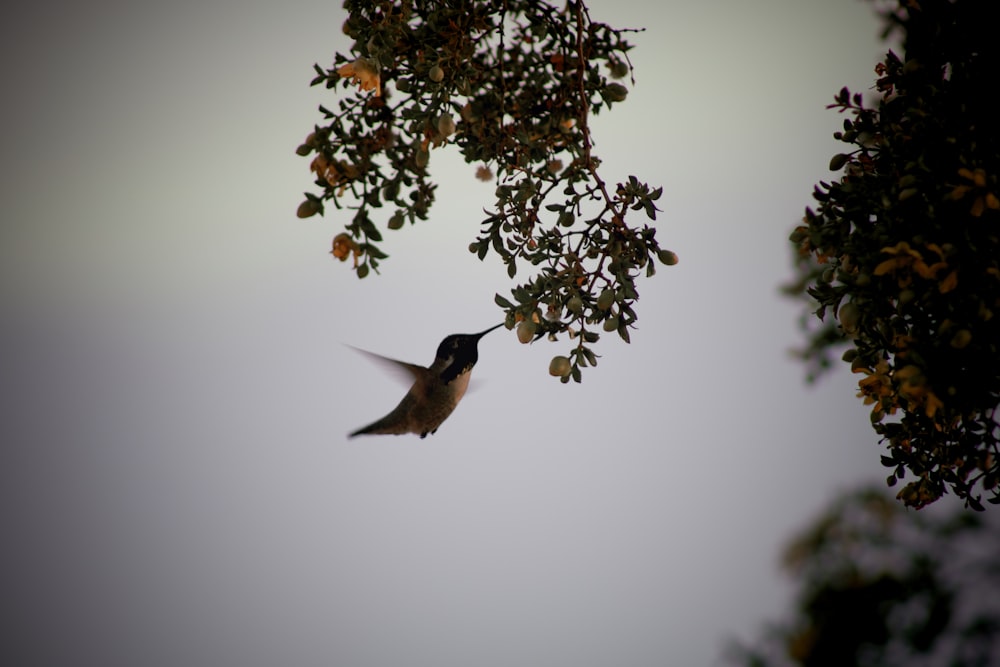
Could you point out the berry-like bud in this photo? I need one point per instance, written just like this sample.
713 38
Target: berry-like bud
559 366
308 208
606 298
446 125
667 257
526 331
615 92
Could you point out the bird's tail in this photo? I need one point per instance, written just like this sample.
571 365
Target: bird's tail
384 426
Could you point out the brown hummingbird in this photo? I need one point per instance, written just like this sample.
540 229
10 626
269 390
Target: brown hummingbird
436 391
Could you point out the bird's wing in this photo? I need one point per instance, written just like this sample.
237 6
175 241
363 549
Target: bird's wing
406 373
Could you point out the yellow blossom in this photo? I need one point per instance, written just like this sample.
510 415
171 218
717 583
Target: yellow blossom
984 198
932 404
877 387
365 73
335 173
949 283
901 343
914 388
343 246
907 261
978 177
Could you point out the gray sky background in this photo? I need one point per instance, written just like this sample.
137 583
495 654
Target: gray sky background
177 487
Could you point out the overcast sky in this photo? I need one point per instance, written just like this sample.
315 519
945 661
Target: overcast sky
177 487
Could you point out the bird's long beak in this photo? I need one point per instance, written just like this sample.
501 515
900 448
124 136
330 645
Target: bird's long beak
481 334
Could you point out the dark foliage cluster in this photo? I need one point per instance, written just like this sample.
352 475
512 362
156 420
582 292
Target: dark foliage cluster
879 586
512 84
903 251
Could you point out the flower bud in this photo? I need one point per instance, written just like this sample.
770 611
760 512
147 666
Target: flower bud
526 331
614 92
575 305
961 338
667 257
559 366
446 125
606 298
308 208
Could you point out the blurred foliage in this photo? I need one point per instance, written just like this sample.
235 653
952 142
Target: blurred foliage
903 251
512 84
881 586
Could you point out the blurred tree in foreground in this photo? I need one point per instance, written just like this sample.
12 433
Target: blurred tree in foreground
883 587
903 250
512 84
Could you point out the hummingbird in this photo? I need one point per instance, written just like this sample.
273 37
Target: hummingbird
436 391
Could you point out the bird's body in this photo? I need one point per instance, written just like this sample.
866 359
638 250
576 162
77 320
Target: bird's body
436 391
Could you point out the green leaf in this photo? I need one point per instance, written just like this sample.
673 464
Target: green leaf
370 230
502 302
838 161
